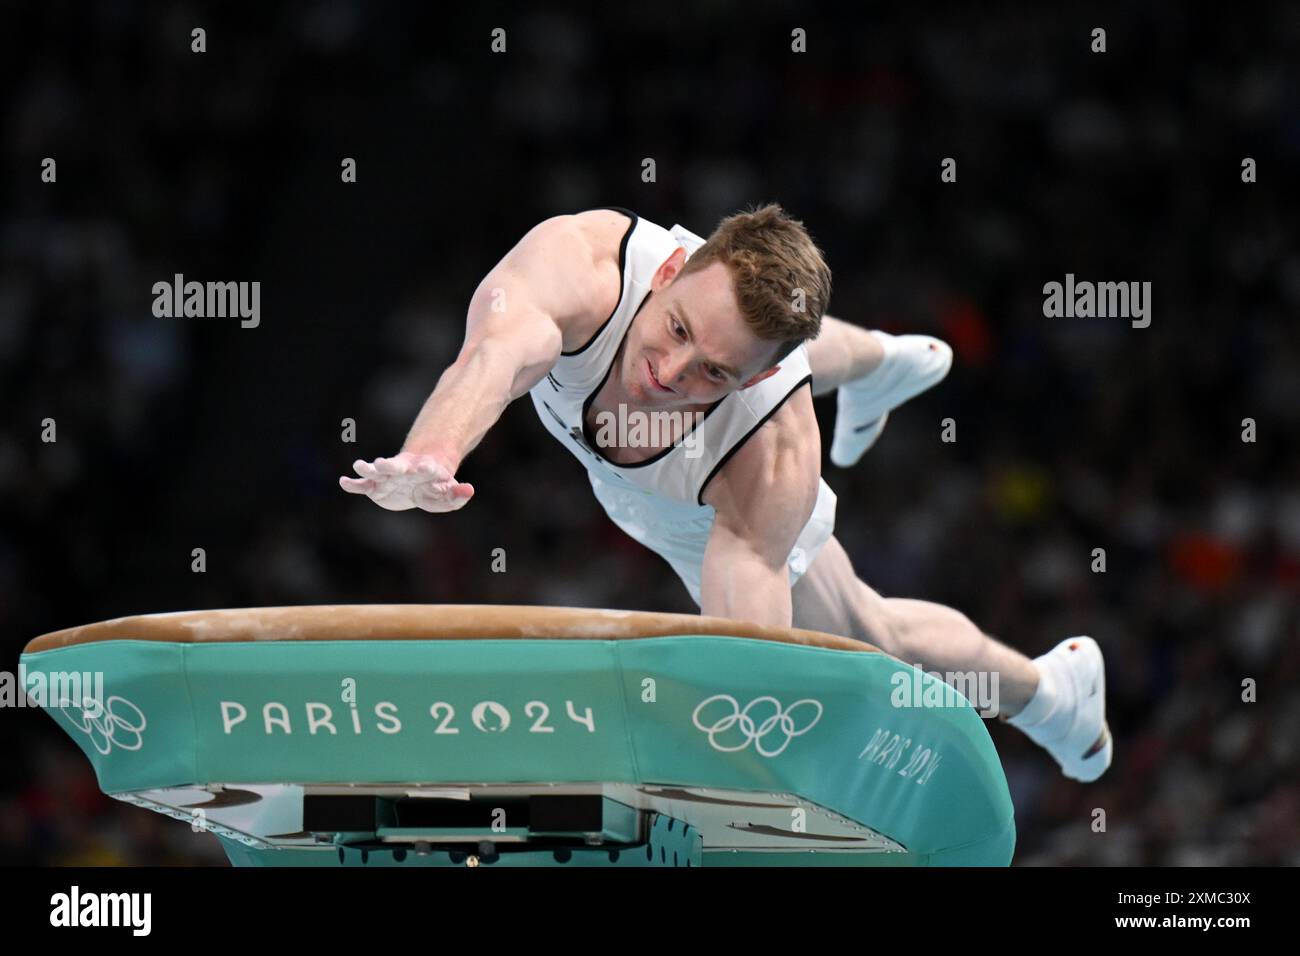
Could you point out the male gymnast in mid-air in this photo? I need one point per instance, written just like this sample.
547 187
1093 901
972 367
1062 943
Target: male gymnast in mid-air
604 316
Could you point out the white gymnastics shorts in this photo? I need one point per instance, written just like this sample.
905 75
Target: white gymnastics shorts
679 532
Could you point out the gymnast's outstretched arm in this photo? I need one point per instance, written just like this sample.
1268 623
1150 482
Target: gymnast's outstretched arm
513 336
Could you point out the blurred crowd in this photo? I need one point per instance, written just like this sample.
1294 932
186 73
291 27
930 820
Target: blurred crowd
1072 434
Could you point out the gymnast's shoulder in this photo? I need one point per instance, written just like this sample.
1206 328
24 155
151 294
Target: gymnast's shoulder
571 268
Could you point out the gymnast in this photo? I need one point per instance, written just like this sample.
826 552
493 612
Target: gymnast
604 313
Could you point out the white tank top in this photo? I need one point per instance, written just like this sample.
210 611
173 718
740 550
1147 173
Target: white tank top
563 396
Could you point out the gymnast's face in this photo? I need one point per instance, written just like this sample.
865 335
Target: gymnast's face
689 344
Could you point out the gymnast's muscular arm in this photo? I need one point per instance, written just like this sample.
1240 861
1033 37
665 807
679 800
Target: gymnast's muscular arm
762 498
554 287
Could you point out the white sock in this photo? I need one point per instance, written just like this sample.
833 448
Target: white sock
1046 717
868 381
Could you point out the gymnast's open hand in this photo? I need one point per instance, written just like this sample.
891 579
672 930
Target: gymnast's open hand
408 481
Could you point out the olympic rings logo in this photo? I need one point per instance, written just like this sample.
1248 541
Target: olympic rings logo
780 720
118 722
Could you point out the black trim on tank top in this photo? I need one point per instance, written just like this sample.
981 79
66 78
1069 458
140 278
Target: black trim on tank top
586 406
806 380
622 262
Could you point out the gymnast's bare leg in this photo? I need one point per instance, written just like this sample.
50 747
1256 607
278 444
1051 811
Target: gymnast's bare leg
830 597
1058 699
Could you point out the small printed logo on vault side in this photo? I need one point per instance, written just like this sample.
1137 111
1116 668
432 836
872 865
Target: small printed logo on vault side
490 717
118 723
762 722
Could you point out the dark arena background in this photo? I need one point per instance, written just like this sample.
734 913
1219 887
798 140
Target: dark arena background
1170 157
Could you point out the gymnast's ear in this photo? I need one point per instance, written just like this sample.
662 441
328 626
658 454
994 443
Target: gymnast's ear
766 373
668 270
